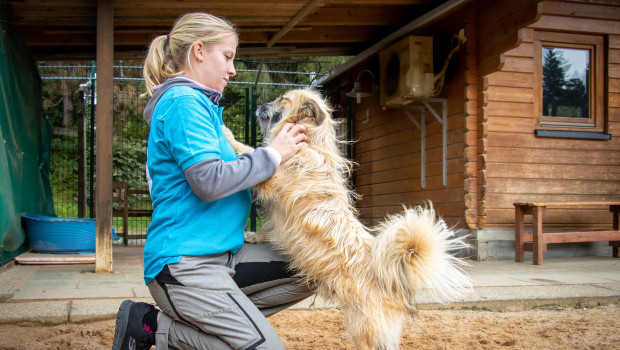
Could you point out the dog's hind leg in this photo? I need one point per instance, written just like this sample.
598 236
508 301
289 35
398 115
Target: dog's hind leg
374 326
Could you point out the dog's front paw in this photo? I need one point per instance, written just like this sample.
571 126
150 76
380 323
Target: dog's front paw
254 237
239 147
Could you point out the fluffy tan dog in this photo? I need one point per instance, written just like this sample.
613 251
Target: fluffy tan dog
310 215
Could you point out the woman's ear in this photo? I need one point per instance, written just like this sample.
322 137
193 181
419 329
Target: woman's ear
198 49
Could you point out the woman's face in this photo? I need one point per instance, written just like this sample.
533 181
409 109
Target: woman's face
213 64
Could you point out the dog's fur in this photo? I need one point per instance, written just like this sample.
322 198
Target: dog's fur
310 215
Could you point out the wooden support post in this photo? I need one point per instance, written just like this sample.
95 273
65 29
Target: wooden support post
105 58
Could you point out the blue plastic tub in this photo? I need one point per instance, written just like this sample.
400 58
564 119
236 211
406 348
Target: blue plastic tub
48 234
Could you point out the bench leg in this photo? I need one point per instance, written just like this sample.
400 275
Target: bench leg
537 228
615 209
519 230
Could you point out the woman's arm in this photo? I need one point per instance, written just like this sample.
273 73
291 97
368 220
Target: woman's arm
213 179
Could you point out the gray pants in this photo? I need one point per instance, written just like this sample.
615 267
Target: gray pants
221 301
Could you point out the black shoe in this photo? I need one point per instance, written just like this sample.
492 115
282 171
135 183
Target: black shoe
130 332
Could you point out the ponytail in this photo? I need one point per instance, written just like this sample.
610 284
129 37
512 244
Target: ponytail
157 66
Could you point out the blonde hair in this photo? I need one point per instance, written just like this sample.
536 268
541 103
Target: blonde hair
169 54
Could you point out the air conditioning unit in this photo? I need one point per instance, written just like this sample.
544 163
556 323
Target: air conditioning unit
406 70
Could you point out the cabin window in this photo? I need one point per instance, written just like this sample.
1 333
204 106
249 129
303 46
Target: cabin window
570 81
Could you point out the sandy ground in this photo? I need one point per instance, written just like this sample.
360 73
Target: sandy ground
595 328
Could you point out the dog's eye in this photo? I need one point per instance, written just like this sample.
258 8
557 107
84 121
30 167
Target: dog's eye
283 100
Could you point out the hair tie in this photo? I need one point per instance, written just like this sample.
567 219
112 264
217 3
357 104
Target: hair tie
167 41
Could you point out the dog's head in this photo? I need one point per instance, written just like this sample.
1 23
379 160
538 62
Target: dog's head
302 106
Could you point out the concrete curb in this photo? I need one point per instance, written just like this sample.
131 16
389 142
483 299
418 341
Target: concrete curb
75 294
84 311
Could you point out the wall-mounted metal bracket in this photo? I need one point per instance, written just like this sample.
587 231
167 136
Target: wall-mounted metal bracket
422 127
442 119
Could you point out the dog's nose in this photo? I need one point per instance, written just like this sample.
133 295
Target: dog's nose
261 111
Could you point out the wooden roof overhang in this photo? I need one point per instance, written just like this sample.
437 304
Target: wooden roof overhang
66 29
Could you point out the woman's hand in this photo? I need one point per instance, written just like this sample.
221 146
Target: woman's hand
289 140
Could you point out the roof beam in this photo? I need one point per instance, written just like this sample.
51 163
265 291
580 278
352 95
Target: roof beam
310 7
290 51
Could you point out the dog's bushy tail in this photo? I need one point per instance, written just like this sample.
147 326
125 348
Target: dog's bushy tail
412 252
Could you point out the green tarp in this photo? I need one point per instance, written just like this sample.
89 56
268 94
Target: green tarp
24 144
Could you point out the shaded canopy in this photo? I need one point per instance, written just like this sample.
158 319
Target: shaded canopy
67 29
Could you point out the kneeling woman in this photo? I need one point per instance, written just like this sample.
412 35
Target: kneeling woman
213 290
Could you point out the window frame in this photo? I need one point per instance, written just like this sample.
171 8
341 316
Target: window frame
596 114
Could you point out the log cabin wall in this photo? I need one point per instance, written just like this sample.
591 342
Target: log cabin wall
520 166
517 165
498 28
387 143
494 156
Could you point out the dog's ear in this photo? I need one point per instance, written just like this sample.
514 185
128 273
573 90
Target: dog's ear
312 110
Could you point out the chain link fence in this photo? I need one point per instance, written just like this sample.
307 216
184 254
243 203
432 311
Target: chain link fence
70 100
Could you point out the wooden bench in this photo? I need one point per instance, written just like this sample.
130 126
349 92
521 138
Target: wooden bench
127 211
537 240
138 212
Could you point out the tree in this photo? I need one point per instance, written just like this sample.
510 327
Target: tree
576 96
553 81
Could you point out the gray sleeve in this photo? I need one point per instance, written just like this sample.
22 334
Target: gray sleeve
214 179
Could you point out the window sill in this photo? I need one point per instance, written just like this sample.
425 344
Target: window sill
585 135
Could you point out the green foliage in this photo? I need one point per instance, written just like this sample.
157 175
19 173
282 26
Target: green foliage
63 160
64 174
129 159
234 101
